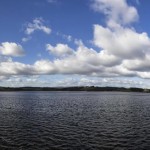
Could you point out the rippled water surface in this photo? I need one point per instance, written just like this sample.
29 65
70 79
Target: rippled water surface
74 121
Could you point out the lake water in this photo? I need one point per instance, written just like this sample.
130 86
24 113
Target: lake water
74 121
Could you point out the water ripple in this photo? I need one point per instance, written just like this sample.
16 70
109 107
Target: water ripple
74 121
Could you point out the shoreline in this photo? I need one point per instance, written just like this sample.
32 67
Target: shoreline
71 89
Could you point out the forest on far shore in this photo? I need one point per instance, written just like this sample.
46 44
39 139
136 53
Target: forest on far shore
77 88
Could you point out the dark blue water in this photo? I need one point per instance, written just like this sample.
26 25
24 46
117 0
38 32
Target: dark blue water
74 121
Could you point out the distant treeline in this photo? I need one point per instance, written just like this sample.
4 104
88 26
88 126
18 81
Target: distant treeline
80 88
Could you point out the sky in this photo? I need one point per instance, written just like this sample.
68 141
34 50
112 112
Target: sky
51 43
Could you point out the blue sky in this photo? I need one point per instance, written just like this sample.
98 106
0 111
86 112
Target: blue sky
74 43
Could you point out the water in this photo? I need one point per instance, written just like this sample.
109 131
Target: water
74 121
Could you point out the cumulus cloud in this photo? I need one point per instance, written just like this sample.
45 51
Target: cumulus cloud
60 49
118 12
123 42
118 46
140 65
37 25
123 52
83 61
15 68
11 49
44 67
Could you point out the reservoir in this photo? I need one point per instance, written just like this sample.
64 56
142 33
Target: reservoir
74 121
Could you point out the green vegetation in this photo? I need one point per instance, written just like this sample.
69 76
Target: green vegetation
80 88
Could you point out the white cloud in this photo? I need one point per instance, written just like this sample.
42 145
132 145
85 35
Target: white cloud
69 38
15 68
144 75
140 65
60 49
36 25
94 81
83 61
11 49
20 80
2 78
123 42
118 12
67 80
123 52
5 59
25 39
44 67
